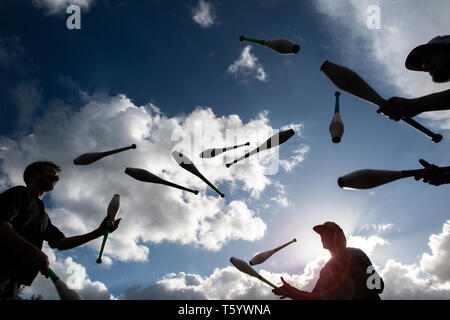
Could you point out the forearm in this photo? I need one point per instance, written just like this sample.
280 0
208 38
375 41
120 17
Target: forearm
75 241
434 102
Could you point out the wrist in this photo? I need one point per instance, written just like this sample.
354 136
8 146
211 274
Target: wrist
419 105
99 232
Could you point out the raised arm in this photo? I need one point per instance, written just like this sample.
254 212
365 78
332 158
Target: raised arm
67 243
396 108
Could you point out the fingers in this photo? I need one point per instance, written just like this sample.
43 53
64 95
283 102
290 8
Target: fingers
424 163
432 174
115 225
45 272
391 108
40 262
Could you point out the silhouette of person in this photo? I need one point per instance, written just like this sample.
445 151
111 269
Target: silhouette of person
434 58
348 275
24 225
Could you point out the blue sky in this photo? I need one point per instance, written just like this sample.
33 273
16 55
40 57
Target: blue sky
149 72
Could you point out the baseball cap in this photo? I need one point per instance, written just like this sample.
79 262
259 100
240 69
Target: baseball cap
414 59
327 227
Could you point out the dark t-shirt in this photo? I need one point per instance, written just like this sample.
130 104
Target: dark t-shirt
348 278
26 213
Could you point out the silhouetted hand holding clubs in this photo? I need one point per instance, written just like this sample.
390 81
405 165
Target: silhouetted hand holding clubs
397 108
433 174
284 290
107 224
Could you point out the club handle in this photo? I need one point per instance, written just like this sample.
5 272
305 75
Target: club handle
212 186
108 153
434 137
52 275
242 38
284 245
336 107
245 156
174 185
105 236
412 173
268 282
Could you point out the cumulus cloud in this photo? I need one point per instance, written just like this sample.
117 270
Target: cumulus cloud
427 279
73 274
406 282
204 14
437 262
295 159
383 227
53 7
366 244
247 66
150 213
401 31
281 198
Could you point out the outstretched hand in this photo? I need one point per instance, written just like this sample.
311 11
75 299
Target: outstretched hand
432 174
284 290
108 225
397 108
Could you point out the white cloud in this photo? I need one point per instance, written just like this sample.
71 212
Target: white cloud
204 14
366 244
401 31
73 274
295 159
247 66
436 264
379 228
281 198
54 7
427 279
150 213
297 127
383 227
405 282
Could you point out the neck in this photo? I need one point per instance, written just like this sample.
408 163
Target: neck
337 253
39 192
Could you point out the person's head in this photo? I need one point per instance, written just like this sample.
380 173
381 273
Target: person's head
42 175
433 57
332 236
